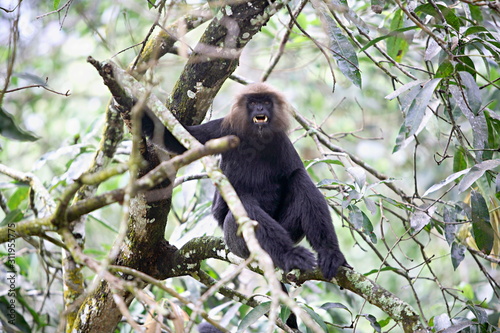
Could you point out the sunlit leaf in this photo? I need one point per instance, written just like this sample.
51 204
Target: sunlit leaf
328 306
432 50
417 108
445 182
310 163
414 105
397 45
457 254
370 205
253 316
475 172
316 318
450 226
421 217
479 313
403 89
356 217
351 15
358 174
19 197
342 50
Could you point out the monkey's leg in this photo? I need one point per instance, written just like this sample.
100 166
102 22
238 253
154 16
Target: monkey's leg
305 205
272 237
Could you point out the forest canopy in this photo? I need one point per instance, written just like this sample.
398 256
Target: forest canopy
395 115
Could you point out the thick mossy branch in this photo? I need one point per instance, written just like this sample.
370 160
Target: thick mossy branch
163 39
216 57
163 171
400 311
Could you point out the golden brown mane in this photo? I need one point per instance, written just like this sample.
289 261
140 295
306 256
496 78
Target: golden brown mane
237 121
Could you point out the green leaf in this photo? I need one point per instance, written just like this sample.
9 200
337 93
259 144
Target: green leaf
342 50
361 222
330 305
368 228
475 173
476 13
11 130
359 176
444 70
396 45
493 130
472 93
384 269
457 254
20 196
403 89
373 322
481 226
395 32
56 4
421 217
414 105
450 227
316 318
445 182
479 313
416 111
466 65
253 316
15 215
459 160
355 217
310 163
20 324
475 30
449 15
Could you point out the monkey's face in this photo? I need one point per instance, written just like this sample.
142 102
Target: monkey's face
260 111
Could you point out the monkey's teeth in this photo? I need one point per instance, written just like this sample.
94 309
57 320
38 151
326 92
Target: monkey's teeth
260 119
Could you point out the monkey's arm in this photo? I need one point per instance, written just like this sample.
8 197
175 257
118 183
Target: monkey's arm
202 133
305 208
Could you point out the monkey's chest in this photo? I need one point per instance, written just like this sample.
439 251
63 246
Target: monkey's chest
261 180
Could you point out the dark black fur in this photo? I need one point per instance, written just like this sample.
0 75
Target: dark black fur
272 183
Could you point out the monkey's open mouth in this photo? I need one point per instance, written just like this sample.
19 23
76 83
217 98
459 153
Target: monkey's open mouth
260 119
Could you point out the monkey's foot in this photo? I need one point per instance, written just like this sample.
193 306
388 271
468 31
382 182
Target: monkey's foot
298 257
329 262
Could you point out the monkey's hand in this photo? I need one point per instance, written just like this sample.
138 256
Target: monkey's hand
329 261
298 257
